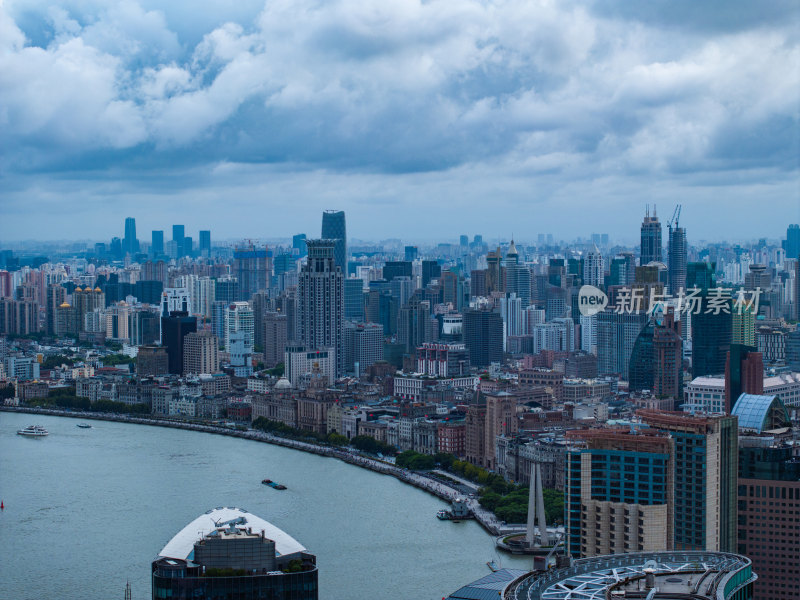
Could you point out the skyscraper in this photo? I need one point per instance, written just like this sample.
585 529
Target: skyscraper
200 353
239 319
711 338
178 233
130 245
792 246
205 243
677 257
334 228
175 326
594 268
483 337
619 492
320 299
744 374
157 243
706 465
252 267
651 238
299 244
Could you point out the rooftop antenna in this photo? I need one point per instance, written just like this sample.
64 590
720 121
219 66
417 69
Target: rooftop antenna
128 590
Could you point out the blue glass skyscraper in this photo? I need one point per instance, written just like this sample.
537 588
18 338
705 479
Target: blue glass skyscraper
334 228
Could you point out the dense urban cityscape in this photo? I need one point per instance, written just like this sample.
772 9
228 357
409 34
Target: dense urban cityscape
403 300
621 400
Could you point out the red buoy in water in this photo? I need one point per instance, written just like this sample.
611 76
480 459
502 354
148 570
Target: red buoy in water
2 506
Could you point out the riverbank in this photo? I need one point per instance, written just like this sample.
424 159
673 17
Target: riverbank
421 481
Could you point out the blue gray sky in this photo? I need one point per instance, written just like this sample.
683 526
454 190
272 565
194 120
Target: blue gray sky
421 120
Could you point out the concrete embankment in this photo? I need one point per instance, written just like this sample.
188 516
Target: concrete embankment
419 480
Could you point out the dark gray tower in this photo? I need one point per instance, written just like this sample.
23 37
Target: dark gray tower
676 254
334 228
320 301
651 238
130 245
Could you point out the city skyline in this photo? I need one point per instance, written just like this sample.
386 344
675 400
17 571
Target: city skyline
537 115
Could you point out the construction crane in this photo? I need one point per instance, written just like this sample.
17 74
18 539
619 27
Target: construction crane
675 216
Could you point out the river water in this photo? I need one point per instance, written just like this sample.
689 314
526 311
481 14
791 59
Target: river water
87 510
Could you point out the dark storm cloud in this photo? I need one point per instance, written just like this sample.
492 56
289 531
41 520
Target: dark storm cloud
392 98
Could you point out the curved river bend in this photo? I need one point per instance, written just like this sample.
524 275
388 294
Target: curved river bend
88 509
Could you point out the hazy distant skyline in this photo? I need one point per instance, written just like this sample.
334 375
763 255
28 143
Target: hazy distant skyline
420 120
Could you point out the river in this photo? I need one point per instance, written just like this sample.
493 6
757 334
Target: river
87 510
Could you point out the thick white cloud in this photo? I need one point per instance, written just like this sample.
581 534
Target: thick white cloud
518 88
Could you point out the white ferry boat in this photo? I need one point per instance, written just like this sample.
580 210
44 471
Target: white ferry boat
33 431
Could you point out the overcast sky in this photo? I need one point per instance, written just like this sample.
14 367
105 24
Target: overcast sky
421 120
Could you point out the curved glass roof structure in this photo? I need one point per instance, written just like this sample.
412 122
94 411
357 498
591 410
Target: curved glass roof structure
760 413
700 575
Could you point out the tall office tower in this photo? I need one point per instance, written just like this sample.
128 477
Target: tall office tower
630 268
792 245
178 234
701 275
397 268
148 291
381 307
676 253
594 268
477 283
511 312
354 299
299 245
401 288
239 318
363 346
144 328
226 289
56 296
518 276
205 243
414 324
252 267
705 472
274 336
261 303
483 336
87 301
711 338
619 492
617 271
769 500
668 357
116 248
494 272
452 289
430 270
744 374
651 238
130 245
175 326
743 323
797 289
320 298
616 336
218 311
200 353
411 253
157 243
334 228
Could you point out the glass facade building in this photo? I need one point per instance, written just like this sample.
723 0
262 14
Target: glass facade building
334 227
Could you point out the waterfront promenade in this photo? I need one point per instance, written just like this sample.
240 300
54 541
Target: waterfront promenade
420 480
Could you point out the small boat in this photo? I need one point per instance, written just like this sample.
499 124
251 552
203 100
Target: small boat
33 431
84 426
273 484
